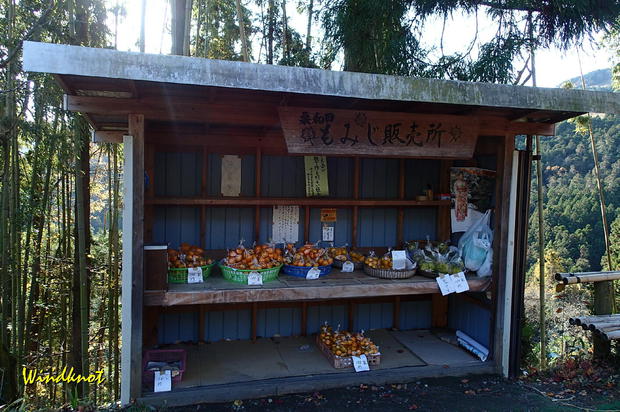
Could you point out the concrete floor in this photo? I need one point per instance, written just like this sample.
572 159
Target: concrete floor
229 362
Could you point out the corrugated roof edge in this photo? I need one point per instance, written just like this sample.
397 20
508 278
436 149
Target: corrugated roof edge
107 63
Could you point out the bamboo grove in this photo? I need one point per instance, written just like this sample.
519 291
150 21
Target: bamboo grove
60 195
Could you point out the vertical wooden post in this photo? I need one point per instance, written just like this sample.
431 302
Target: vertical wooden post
133 250
257 183
401 196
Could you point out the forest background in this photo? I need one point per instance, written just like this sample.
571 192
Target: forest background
60 195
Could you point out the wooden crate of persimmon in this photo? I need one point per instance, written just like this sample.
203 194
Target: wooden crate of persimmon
338 347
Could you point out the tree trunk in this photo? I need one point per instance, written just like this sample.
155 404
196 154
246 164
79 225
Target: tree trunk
285 44
142 22
309 29
271 11
177 7
187 27
244 40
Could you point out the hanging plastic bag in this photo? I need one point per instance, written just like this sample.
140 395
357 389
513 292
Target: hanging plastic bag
476 242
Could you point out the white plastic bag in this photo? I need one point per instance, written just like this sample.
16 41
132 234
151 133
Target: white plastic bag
475 244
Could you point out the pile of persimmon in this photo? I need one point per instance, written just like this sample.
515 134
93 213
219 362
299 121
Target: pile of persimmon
342 254
385 262
187 256
346 343
256 258
308 256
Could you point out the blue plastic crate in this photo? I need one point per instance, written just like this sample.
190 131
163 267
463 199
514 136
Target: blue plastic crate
302 271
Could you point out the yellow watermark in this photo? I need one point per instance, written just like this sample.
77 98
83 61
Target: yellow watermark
33 376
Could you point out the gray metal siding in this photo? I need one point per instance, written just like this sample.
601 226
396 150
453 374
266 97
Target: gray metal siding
470 318
377 226
175 224
416 314
226 226
373 316
334 315
178 327
177 173
278 321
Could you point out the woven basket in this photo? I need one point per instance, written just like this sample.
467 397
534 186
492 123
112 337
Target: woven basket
427 274
389 273
179 275
302 271
340 362
241 275
356 266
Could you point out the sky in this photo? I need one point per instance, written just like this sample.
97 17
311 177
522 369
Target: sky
552 65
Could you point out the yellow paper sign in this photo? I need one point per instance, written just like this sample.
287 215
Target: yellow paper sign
316 176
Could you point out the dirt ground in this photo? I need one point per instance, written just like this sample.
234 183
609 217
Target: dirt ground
579 387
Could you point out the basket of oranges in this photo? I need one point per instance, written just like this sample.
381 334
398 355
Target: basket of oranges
187 256
240 262
339 346
381 267
298 262
341 255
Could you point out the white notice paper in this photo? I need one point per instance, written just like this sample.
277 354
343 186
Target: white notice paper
163 381
399 259
446 284
328 233
360 363
255 278
460 282
285 226
231 175
313 273
194 275
348 266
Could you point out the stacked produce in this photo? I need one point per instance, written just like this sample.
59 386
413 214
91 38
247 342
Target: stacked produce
345 343
188 256
440 259
373 261
256 258
308 255
341 254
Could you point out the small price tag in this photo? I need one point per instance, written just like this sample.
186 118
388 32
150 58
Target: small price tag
163 381
399 259
255 278
194 275
460 282
348 266
313 273
446 284
360 363
328 233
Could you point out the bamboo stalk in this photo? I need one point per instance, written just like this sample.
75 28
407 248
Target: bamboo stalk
590 278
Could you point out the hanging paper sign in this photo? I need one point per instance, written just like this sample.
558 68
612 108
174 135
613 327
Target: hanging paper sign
316 176
313 273
399 260
360 363
194 275
446 284
328 215
285 226
255 278
231 175
328 233
460 282
348 266
371 133
163 381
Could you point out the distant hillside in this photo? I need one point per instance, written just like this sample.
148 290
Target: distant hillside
597 80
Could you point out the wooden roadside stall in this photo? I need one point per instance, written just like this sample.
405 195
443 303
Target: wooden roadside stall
389 144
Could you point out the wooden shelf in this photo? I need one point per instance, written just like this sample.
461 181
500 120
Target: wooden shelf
280 201
336 285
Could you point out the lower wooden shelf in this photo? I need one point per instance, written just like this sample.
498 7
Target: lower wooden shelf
289 288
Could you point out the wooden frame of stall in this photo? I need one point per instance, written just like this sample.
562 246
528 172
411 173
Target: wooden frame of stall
231 108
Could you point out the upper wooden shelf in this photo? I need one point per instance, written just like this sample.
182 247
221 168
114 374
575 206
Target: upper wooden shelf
336 285
281 201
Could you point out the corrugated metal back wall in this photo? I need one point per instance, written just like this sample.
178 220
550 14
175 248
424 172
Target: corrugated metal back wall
178 175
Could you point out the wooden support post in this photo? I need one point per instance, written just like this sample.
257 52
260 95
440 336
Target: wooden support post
396 313
204 192
149 211
439 311
307 224
401 196
304 318
133 263
257 183
254 320
443 212
150 325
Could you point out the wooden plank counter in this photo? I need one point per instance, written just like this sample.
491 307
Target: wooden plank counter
289 288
